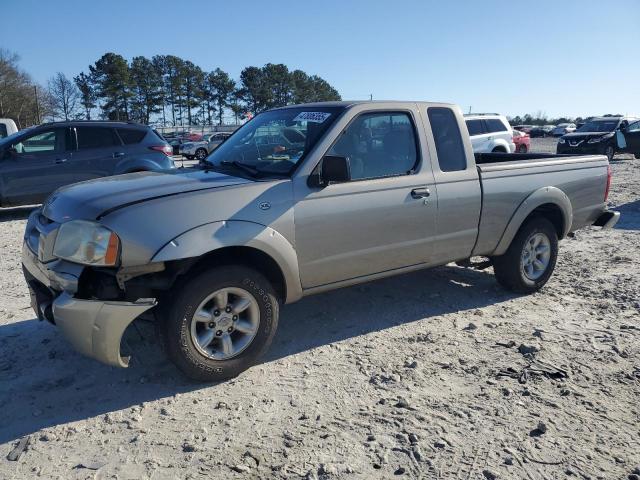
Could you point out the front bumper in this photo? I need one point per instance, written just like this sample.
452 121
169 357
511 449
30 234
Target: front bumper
583 148
93 327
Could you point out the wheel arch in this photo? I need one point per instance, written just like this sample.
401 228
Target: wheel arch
238 242
548 202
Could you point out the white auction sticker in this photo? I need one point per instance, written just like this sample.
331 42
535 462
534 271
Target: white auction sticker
315 117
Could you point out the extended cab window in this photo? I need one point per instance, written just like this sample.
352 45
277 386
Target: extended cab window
378 145
449 147
95 137
475 127
3 130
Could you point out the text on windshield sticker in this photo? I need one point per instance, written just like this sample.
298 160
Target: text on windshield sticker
315 117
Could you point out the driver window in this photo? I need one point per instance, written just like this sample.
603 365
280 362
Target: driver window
634 127
378 145
40 144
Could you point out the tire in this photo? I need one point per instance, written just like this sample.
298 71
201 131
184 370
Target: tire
609 152
522 148
498 150
511 270
183 334
201 154
637 155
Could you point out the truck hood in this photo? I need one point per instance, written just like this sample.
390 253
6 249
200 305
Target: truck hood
93 199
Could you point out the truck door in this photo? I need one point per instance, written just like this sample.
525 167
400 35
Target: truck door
632 138
35 168
457 184
383 218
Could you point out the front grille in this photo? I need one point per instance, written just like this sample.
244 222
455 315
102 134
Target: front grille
40 236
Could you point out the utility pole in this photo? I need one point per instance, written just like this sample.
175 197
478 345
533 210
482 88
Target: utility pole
469 108
371 96
35 92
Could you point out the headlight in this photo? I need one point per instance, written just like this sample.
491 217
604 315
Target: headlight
600 139
562 140
88 243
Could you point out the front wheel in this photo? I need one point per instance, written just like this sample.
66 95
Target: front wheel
530 259
220 323
609 151
637 155
522 148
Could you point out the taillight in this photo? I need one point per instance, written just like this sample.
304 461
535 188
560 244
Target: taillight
606 191
166 149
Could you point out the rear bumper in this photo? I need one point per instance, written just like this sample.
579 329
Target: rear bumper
607 219
93 327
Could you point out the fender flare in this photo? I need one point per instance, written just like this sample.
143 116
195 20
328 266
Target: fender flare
237 233
542 196
500 142
129 165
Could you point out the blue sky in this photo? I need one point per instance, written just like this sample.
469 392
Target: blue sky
562 57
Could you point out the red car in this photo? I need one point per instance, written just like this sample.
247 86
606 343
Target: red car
522 141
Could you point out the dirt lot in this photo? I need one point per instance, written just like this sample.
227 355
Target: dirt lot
426 375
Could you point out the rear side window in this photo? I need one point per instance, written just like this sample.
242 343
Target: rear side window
130 136
495 125
95 137
3 130
451 156
475 127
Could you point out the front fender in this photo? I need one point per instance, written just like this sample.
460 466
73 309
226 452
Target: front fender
542 196
236 233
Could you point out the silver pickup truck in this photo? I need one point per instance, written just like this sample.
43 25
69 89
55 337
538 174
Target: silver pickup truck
300 200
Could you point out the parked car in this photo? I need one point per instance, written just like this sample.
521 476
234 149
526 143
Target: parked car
523 128
541 131
563 128
603 135
7 127
213 250
490 132
522 141
204 146
36 161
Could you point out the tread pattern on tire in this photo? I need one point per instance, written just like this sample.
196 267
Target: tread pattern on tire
506 267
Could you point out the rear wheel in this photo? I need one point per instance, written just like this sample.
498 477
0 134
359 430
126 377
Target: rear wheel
498 150
220 323
201 154
637 155
530 259
522 148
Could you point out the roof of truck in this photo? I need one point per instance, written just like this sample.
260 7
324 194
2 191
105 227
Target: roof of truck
349 103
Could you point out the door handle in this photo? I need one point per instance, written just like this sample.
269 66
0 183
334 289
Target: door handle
60 160
422 192
118 154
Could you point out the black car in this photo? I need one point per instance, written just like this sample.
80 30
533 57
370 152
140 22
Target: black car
604 136
541 131
36 161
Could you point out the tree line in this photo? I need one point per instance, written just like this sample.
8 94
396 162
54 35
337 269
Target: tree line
540 119
164 88
21 99
175 91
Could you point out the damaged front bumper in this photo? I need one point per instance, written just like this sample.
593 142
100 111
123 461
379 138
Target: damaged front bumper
93 327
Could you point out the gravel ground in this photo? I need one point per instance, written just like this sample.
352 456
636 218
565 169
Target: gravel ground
436 374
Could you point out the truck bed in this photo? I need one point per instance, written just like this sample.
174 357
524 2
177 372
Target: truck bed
508 179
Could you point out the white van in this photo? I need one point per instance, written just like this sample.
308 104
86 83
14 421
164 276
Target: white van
490 132
7 127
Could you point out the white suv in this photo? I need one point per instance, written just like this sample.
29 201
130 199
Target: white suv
490 132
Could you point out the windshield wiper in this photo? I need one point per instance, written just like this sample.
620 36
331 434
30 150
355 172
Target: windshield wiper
254 172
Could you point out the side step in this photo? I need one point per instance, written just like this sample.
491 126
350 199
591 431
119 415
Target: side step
467 263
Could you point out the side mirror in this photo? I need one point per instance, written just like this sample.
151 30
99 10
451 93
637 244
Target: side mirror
334 169
623 127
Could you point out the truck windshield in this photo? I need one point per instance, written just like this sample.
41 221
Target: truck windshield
599 126
274 142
